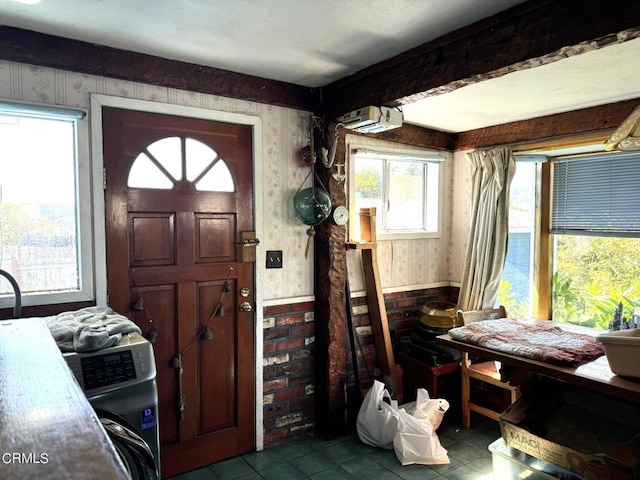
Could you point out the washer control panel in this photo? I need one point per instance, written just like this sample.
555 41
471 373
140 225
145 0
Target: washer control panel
102 370
129 362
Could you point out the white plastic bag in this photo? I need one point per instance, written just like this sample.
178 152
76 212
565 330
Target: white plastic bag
377 421
415 440
425 407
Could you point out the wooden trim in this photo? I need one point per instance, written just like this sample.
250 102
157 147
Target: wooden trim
414 135
44 50
543 245
577 140
559 130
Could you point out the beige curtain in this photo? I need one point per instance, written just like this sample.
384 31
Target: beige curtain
491 175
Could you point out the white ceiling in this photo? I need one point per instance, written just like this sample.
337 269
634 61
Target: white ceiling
598 77
315 42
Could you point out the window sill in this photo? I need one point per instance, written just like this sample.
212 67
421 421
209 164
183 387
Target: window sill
381 237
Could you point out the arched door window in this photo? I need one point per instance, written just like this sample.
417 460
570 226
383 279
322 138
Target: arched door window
170 160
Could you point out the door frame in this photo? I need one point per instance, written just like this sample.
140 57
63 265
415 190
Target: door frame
98 101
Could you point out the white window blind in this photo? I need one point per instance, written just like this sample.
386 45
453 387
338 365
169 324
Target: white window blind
41 111
597 195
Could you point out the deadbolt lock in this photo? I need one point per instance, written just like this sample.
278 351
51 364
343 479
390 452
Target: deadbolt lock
245 307
245 292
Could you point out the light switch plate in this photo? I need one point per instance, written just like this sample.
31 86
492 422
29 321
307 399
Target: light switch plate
274 258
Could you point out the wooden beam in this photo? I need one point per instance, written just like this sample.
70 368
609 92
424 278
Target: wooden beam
330 275
330 352
530 30
34 48
416 136
600 120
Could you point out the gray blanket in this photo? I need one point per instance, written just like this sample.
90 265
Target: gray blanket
89 329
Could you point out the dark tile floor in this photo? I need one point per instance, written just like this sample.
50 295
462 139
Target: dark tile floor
347 458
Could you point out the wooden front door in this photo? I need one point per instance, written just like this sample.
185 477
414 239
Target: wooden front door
178 198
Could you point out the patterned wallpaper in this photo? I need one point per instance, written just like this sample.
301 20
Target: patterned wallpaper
460 216
412 263
403 263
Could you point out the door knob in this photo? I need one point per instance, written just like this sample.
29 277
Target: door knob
245 307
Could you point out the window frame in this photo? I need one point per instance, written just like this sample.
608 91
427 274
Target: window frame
388 154
543 248
84 218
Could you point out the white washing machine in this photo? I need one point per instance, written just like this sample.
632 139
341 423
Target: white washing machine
120 384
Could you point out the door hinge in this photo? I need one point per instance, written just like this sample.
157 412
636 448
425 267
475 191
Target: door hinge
104 178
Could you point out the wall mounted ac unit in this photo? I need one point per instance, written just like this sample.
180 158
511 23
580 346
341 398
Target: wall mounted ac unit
372 119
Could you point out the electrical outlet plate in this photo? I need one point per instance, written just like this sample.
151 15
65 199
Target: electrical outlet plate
274 258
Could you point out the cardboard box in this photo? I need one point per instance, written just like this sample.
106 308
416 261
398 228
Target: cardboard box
595 436
508 462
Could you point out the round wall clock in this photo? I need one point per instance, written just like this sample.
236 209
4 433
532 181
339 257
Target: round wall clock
340 215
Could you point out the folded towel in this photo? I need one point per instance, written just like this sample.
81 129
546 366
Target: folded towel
89 329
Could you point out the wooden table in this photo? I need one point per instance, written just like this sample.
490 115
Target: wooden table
595 375
48 430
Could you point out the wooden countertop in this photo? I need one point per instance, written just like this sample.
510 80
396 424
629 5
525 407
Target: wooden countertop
595 375
48 429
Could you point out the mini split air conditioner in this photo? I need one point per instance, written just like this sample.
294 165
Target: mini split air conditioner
372 119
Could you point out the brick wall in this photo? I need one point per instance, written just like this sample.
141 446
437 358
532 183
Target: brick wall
402 314
288 356
288 372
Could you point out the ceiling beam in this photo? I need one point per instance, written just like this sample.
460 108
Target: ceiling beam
527 31
33 48
600 121
414 135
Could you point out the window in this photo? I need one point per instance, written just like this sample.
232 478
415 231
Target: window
169 160
585 263
596 195
403 186
596 227
517 278
45 231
